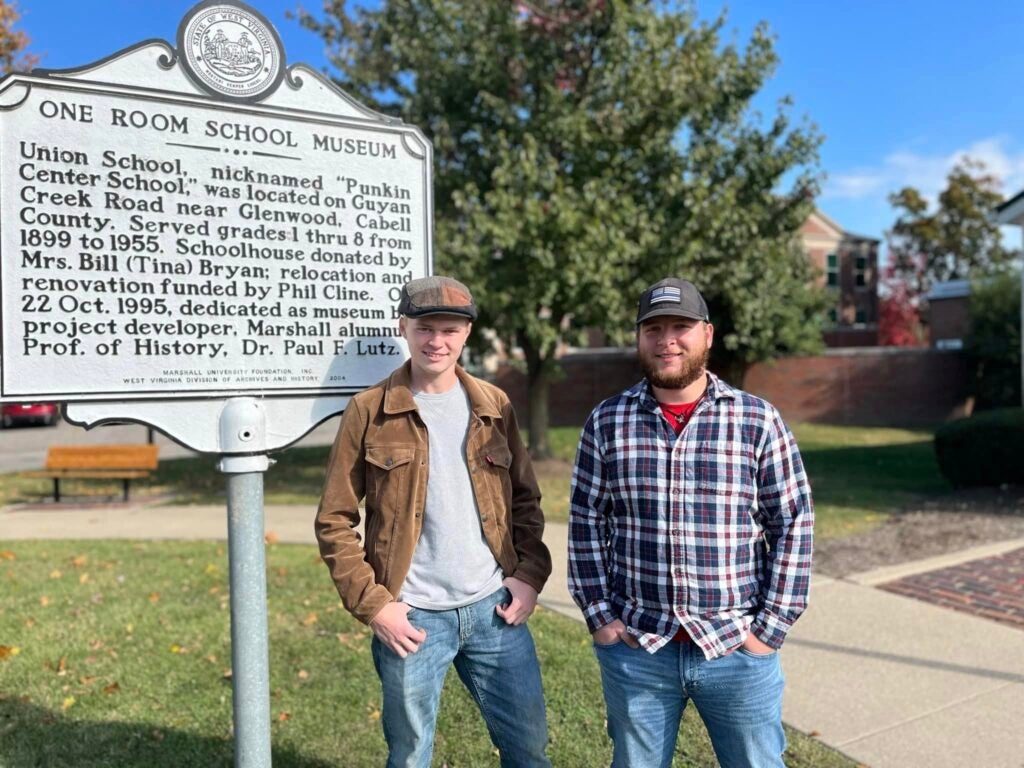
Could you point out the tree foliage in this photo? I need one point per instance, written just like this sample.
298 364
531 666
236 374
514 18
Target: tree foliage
13 42
899 314
586 148
994 340
957 239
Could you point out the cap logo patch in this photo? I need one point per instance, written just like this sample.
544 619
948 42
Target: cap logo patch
666 293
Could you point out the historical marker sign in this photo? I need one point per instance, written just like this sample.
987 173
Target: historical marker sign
203 222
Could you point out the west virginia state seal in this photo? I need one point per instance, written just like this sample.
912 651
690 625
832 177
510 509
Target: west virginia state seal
229 49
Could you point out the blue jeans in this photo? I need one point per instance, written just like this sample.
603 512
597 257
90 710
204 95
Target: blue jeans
496 662
738 696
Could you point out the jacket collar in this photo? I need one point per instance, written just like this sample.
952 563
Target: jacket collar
398 395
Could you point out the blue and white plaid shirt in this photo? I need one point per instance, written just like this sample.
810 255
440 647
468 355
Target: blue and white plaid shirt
709 532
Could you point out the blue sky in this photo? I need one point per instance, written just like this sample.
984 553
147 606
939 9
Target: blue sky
901 90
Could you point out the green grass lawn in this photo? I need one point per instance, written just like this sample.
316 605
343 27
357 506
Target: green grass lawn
859 476
116 654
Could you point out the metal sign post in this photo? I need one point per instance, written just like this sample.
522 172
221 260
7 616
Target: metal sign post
243 427
210 242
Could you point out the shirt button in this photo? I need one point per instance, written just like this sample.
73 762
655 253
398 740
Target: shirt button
483 518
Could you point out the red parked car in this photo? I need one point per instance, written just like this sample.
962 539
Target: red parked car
47 414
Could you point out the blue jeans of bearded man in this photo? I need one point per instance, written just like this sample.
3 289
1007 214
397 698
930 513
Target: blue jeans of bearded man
495 661
738 696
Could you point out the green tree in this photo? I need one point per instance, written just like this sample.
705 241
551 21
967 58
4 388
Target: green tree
957 239
13 42
585 148
993 342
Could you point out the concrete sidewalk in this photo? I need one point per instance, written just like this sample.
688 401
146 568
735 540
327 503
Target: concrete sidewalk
888 680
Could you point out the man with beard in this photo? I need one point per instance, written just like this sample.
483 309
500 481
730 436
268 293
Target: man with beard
689 546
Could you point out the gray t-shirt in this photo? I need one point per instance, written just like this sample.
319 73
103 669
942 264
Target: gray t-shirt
452 565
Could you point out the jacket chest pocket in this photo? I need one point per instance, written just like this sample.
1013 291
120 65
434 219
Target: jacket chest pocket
387 476
494 462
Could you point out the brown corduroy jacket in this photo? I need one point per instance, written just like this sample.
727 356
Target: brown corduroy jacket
381 455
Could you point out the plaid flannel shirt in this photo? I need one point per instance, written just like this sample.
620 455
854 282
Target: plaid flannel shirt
709 532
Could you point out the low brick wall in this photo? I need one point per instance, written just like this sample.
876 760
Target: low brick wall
863 386
868 386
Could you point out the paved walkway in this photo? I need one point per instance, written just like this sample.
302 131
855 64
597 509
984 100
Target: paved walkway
887 679
992 587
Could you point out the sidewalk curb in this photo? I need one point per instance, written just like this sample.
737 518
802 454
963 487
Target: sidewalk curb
887 573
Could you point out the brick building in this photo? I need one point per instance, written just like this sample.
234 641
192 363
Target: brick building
848 267
948 314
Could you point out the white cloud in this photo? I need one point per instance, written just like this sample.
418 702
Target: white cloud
928 173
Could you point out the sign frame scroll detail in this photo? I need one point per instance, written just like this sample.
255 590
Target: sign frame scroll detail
190 244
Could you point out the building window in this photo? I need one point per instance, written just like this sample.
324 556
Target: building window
861 317
860 272
832 270
833 316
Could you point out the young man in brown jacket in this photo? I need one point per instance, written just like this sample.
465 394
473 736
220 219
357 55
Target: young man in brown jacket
453 558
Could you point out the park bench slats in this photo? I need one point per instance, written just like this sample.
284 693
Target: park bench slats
97 462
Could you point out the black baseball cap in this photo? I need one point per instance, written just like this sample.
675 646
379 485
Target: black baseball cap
672 296
437 295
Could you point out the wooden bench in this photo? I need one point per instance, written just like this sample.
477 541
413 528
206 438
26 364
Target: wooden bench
97 462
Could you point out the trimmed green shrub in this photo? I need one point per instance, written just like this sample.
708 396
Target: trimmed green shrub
985 449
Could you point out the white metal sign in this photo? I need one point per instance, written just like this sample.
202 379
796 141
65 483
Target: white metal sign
203 222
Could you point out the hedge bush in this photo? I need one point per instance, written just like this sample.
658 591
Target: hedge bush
985 449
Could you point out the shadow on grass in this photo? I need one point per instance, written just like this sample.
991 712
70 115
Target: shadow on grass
31 736
879 477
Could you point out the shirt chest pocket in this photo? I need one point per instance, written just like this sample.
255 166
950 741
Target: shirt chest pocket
726 476
388 470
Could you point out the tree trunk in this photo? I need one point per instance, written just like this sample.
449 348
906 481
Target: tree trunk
538 379
729 367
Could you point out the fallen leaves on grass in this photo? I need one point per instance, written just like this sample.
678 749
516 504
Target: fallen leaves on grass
69 702
44 601
8 652
55 574
7 555
79 560
154 597
114 687
310 619
284 717
270 537
175 648
303 674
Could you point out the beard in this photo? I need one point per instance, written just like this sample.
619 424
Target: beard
693 368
